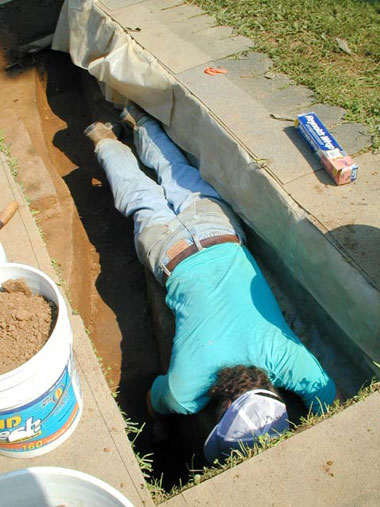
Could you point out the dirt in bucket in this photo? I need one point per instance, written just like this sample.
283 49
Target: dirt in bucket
26 322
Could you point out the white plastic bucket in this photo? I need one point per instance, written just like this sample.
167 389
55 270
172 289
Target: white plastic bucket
40 401
52 487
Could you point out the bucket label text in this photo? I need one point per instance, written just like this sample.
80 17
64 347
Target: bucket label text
44 420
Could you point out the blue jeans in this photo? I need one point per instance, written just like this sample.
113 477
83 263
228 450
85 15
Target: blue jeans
181 208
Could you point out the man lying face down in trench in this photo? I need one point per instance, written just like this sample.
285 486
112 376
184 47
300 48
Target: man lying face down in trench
231 343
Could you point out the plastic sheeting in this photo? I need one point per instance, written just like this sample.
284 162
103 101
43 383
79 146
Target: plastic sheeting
98 44
102 47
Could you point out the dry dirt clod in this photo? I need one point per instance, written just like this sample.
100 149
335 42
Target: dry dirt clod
17 285
23 314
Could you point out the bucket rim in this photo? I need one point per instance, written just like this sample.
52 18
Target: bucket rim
68 472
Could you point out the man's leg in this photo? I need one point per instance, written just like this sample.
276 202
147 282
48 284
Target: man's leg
133 191
182 183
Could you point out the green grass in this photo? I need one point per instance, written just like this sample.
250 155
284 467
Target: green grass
300 37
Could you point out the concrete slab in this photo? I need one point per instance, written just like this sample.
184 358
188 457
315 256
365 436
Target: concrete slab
196 24
99 446
316 467
164 4
176 12
350 213
167 46
261 86
118 4
275 91
286 99
163 31
249 120
354 137
242 70
330 115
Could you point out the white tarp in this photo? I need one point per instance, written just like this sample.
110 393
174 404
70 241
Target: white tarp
98 44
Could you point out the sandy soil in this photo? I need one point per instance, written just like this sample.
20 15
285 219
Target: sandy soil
26 322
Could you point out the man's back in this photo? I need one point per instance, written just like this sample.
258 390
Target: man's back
227 315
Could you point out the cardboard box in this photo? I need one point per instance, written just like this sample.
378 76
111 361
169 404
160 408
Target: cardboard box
335 160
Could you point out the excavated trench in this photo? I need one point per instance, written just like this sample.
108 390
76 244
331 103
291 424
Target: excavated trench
106 281
93 246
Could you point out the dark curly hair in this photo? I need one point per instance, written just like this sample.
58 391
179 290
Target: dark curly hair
233 382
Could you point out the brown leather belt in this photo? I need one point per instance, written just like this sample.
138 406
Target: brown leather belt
190 250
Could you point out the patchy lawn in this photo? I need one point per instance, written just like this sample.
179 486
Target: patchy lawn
301 38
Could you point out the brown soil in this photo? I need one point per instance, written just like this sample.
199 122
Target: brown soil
26 322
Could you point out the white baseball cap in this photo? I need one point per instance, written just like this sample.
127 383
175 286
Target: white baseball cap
254 413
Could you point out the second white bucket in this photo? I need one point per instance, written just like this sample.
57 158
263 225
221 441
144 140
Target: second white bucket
52 487
40 401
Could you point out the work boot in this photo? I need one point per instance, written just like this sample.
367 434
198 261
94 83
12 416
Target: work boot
98 131
130 115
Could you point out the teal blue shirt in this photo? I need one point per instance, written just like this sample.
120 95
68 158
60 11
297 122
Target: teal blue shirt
226 315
